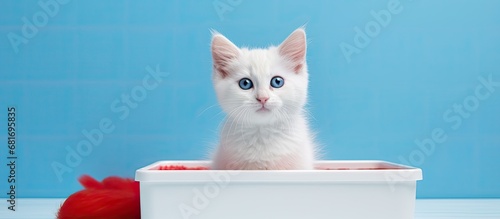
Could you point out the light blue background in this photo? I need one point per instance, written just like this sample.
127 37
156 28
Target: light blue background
395 91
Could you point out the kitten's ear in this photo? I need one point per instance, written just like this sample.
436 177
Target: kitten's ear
294 49
223 51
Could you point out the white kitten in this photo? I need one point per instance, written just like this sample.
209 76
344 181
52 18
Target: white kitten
263 93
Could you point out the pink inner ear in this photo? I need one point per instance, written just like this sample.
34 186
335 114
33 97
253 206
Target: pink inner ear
297 68
223 51
294 49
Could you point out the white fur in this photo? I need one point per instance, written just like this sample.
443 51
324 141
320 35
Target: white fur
276 138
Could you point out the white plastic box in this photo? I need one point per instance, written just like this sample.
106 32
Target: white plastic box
336 190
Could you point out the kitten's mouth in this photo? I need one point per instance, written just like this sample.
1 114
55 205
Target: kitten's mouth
263 109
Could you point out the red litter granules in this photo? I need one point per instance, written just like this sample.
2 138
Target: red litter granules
178 167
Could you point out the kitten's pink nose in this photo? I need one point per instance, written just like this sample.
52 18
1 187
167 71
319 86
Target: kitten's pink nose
262 100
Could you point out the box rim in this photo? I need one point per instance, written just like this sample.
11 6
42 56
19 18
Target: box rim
404 173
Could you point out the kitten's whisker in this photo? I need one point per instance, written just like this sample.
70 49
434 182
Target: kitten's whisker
228 116
233 120
286 120
309 114
220 112
199 114
246 120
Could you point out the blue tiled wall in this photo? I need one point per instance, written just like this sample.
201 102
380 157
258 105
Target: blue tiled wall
373 94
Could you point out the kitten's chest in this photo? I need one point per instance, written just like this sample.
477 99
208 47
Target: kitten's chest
259 135
265 147
263 135
263 140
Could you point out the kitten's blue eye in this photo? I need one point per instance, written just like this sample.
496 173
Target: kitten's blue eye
277 82
245 84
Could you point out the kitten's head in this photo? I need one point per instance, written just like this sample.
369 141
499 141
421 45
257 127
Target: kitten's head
261 85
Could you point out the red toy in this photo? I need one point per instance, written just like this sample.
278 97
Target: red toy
113 198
